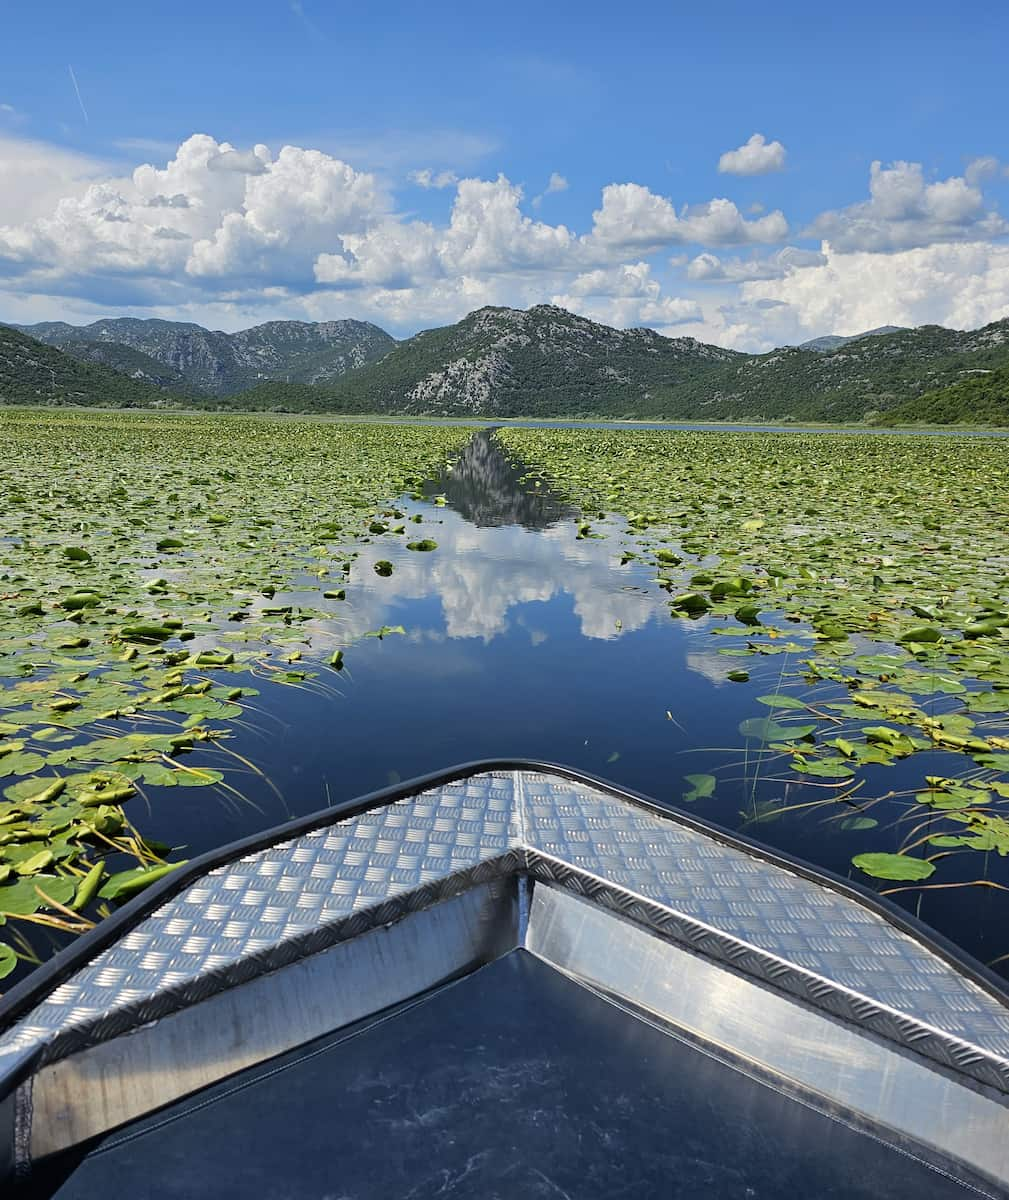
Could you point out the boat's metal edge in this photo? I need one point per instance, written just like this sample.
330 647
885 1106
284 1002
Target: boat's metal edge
386 913
819 1059
764 968
46 978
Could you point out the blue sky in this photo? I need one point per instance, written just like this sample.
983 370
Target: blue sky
629 112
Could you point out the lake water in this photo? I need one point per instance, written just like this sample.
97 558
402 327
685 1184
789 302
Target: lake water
523 639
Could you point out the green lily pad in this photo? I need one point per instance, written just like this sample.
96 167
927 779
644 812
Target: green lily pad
780 701
893 866
701 787
125 884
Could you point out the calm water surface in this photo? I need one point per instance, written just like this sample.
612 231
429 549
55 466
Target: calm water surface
523 639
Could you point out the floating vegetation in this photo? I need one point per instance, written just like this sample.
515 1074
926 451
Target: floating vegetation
143 561
878 567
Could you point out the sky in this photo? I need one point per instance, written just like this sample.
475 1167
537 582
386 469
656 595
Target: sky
749 175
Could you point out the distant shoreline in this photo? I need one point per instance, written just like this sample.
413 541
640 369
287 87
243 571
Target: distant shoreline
752 426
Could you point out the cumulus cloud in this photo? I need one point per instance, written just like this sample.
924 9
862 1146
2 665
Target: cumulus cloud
487 234
629 279
176 201
219 222
633 218
709 268
663 314
246 162
981 169
297 202
230 216
36 176
229 236
755 157
961 286
903 211
624 296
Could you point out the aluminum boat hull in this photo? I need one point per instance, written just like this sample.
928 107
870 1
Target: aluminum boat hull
501 980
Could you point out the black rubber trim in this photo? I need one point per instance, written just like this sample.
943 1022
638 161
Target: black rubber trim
27 994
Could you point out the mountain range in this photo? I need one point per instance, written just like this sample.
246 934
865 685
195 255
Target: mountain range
187 358
834 341
501 362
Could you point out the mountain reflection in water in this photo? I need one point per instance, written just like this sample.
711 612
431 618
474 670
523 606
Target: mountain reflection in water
485 488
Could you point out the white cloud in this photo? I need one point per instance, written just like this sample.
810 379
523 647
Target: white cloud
230 236
36 176
981 169
755 157
297 203
709 268
487 234
229 215
629 279
663 314
216 222
626 296
633 218
903 211
428 178
961 286
556 183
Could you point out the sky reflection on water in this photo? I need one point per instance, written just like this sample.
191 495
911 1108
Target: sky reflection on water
523 639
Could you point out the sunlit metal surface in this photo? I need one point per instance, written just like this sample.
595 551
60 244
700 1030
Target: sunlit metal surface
826 1058
271 908
128 1076
274 906
742 930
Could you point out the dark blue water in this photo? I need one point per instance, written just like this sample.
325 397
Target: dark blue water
523 639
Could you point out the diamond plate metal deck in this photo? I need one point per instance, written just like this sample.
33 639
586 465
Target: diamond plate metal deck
296 898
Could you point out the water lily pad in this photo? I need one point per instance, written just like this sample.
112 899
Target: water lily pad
26 896
125 884
766 729
701 787
777 700
893 866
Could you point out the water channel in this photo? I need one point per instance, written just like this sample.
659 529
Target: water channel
521 638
